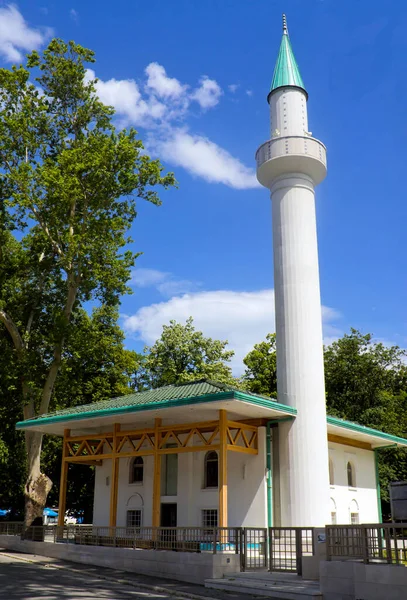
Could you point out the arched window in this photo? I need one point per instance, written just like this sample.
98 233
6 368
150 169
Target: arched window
331 472
333 512
350 469
354 513
211 470
136 470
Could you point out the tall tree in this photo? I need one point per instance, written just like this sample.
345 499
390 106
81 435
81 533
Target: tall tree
184 354
68 185
366 382
260 376
95 366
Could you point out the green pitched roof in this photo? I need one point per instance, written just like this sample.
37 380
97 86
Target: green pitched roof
286 71
165 397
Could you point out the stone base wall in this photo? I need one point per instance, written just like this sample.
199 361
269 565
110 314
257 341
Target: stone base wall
347 580
183 566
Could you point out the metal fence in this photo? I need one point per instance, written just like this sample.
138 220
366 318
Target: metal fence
378 543
287 546
274 549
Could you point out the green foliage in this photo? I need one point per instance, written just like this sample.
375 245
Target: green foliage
183 354
365 382
69 182
260 376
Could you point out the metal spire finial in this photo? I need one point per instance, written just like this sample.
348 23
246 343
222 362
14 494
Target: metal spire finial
285 28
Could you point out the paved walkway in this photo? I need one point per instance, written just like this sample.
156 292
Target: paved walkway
32 577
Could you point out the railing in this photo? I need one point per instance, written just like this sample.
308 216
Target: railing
297 145
11 528
183 539
276 549
287 546
378 543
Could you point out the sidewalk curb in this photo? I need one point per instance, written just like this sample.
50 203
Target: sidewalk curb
141 586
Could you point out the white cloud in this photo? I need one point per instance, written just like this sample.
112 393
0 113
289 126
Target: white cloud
202 157
233 87
208 93
166 283
161 102
242 318
147 277
125 96
249 93
16 36
74 14
161 84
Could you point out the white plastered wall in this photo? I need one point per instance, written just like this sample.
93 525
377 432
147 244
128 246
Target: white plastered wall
364 494
247 505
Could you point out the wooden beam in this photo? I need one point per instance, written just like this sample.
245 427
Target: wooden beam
88 459
223 469
157 476
243 450
239 425
114 484
337 439
63 481
255 422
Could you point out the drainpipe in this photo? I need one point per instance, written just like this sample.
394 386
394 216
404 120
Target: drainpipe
378 491
269 477
269 468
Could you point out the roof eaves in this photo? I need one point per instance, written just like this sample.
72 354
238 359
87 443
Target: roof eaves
219 396
125 409
265 402
366 430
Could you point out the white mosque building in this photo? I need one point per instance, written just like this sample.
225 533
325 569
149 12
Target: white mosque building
206 454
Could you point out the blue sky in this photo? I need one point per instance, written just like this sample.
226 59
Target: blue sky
193 78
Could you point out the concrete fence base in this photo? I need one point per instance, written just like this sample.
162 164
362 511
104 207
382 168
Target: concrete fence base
348 580
183 566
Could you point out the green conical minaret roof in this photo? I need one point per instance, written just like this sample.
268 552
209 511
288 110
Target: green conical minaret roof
286 71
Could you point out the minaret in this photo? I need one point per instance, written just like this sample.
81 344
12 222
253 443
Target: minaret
290 165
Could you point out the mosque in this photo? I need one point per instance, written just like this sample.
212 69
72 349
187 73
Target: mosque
205 454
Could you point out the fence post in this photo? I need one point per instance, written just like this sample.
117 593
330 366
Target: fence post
365 551
242 549
298 550
270 549
214 539
396 550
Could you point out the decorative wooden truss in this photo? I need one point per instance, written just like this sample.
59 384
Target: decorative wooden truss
221 435
169 439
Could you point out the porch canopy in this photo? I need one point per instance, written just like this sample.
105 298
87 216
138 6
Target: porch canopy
191 417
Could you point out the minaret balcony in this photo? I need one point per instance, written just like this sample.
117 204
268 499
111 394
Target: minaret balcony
291 154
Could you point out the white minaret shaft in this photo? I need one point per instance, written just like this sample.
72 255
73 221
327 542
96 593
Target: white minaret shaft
290 165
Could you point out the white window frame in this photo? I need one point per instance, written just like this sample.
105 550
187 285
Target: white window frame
210 525
131 471
134 510
205 482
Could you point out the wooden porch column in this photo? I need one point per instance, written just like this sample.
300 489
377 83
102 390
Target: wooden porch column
63 480
223 469
157 476
114 484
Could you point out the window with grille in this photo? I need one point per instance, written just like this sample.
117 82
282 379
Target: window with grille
136 470
354 518
209 517
211 470
133 518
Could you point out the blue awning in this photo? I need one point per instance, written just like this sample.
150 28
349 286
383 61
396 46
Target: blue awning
48 512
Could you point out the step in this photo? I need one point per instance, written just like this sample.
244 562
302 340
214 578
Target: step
267 585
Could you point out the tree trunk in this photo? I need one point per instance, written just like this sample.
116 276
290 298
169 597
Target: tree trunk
38 485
